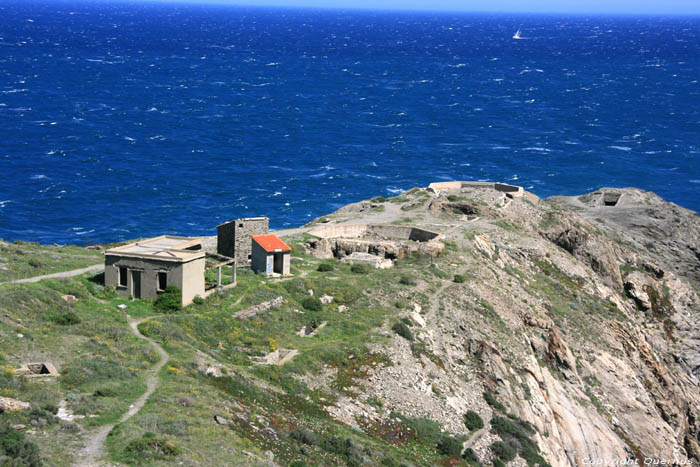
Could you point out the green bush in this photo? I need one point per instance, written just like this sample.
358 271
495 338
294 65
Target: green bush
15 448
426 430
402 330
360 268
304 435
473 421
516 433
298 463
65 319
170 301
312 304
149 447
498 462
351 450
493 402
503 451
459 278
324 267
471 458
198 300
407 279
450 446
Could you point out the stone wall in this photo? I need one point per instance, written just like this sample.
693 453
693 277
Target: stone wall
233 239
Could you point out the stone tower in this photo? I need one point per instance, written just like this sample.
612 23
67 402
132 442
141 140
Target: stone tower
234 238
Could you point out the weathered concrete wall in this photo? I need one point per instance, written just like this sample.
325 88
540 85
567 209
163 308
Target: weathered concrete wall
286 264
259 258
402 233
458 185
226 239
348 231
233 239
189 277
192 279
343 230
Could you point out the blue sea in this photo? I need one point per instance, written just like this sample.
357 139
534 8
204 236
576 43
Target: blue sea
123 120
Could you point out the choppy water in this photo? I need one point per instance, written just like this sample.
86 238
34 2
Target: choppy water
128 120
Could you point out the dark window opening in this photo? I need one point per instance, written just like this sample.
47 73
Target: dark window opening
162 281
123 274
38 369
240 225
250 256
611 199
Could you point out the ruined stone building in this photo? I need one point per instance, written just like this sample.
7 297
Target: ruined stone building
270 255
234 238
145 268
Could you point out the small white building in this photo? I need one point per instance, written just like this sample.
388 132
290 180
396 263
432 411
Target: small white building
270 255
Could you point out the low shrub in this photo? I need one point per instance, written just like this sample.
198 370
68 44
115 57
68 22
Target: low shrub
459 278
407 279
198 300
312 304
402 330
471 458
360 268
450 446
149 447
15 448
515 434
325 267
170 301
503 451
498 462
65 318
473 421
306 436
426 430
348 448
493 402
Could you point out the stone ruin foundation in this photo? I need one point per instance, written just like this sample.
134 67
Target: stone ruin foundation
384 241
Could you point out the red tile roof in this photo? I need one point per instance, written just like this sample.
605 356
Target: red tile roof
271 243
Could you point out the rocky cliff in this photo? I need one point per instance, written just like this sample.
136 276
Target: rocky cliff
580 313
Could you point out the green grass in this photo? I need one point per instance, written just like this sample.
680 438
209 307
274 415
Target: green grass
20 260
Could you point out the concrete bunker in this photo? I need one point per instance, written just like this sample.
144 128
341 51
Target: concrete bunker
37 369
611 198
511 191
386 241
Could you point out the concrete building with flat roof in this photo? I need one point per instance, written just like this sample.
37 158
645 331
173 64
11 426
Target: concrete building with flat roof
145 268
270 255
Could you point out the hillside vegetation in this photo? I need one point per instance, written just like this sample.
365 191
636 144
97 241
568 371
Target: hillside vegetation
544 333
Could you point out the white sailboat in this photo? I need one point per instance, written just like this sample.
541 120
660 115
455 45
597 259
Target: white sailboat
517 34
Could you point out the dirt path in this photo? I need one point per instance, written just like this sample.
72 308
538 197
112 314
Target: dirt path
94 445
74 272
